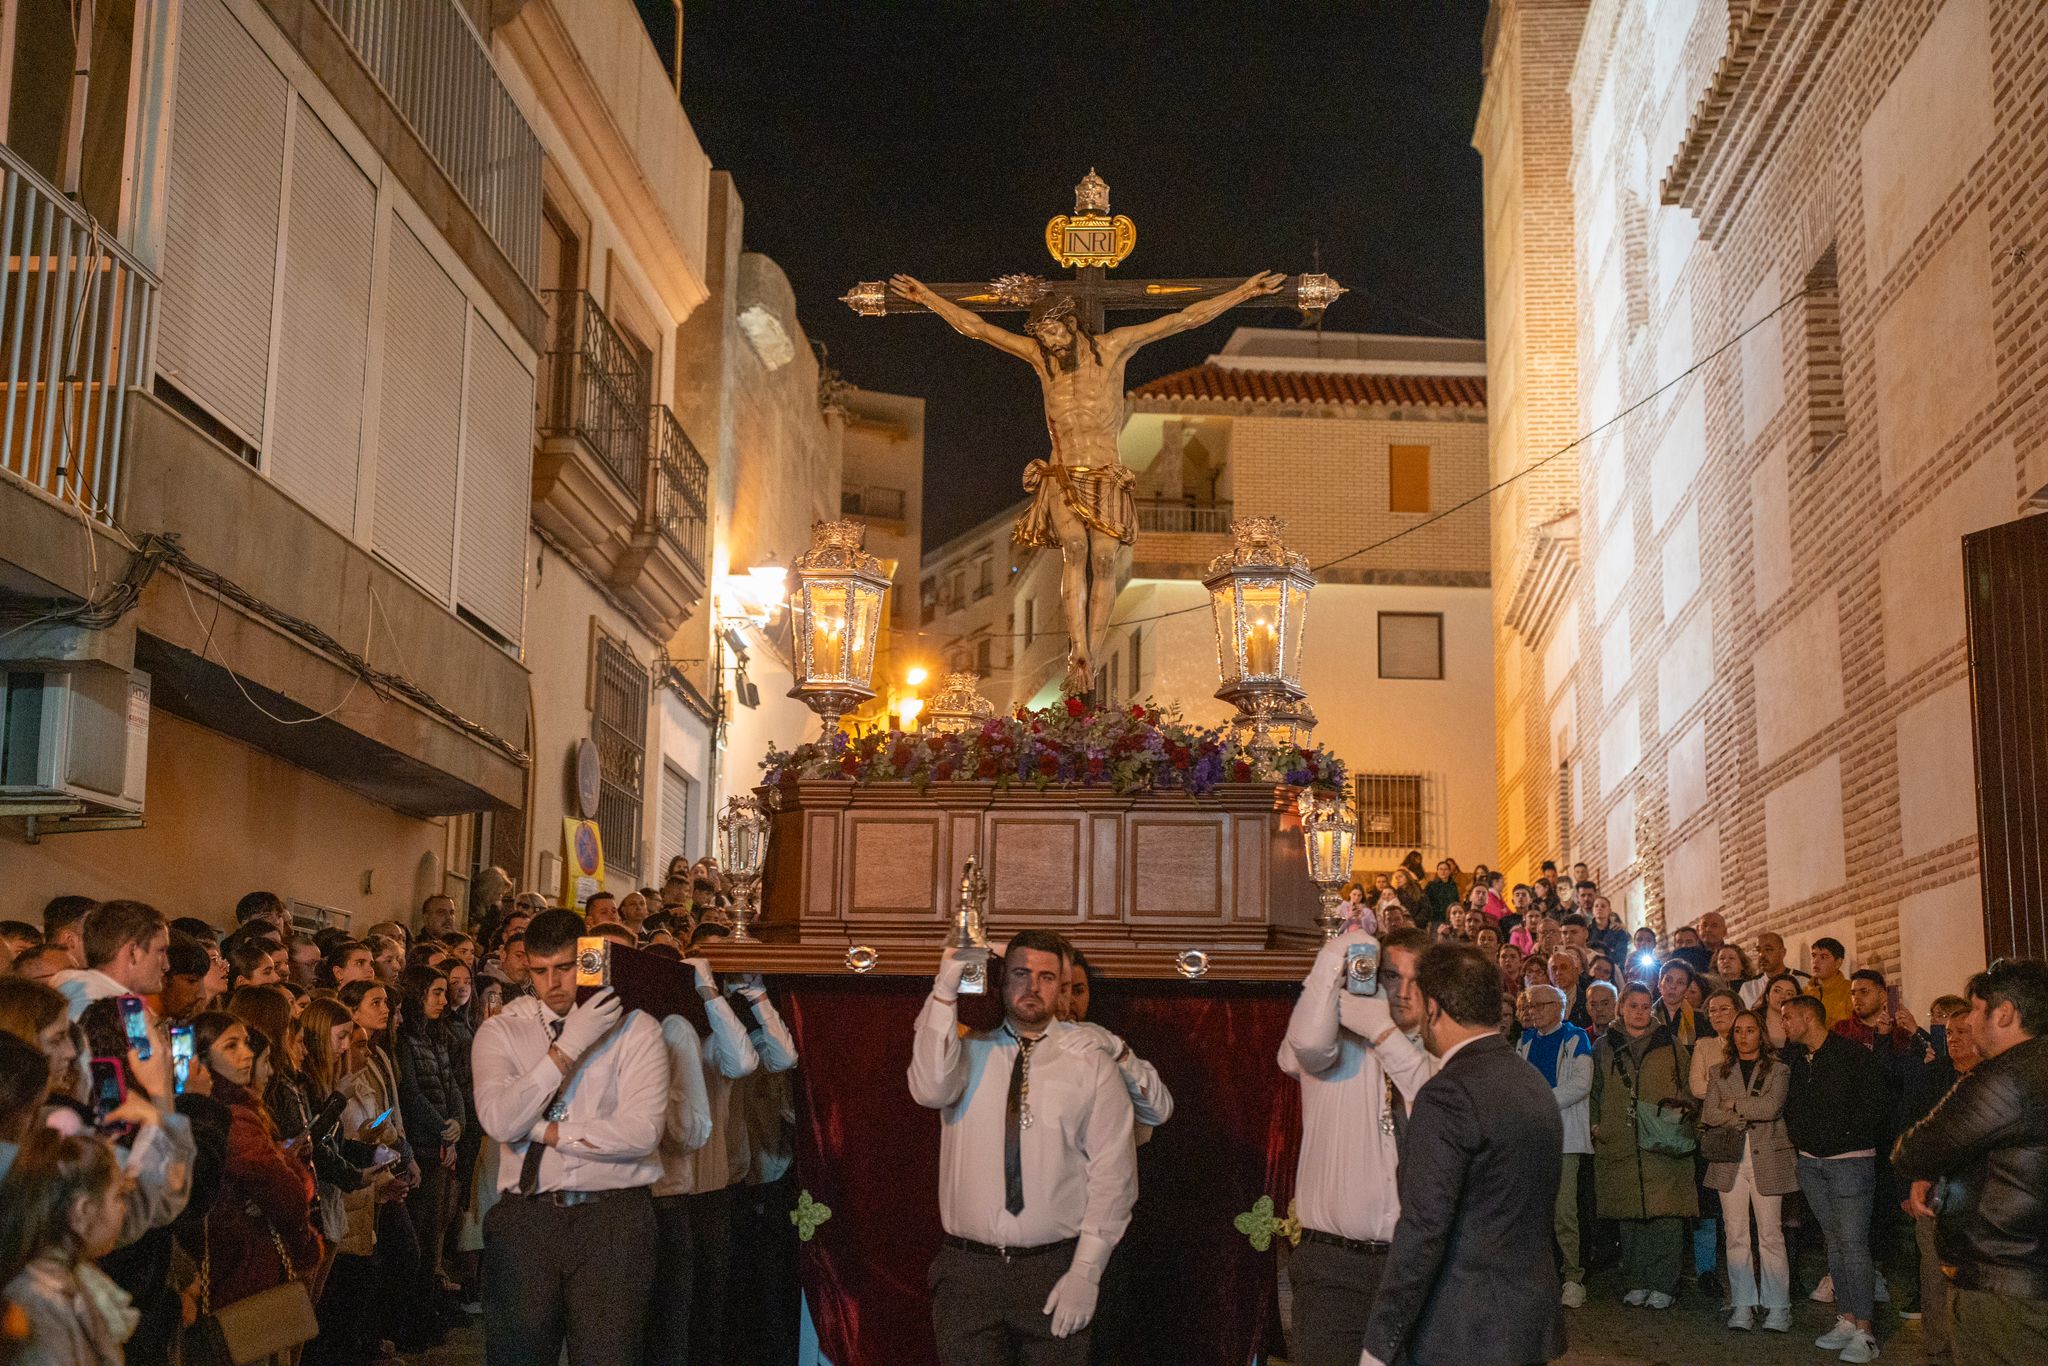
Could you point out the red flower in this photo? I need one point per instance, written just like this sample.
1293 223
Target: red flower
986 768
1075 706
1137 713
901 755
849 765
1241 771
945 769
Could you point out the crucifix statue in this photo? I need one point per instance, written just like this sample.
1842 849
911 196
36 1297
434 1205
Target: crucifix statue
1081 498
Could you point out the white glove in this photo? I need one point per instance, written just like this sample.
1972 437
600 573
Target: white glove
585 1026
1330 958
1072 1302
707 981
1095 1036
1366 1016
751 985
953 966
451 1131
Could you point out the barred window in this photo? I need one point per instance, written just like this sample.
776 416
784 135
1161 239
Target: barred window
1392 811
619 725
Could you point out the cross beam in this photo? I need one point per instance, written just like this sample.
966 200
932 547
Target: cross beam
1310 294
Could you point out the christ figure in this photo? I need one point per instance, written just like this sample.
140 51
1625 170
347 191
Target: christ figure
1082 499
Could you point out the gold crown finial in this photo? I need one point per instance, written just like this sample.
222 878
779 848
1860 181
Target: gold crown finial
1092 194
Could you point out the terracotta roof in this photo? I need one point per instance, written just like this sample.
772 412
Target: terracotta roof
1222 384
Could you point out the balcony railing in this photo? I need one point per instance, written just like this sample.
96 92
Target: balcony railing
429 60
887 504
681 479
593 387
77 316
1160 515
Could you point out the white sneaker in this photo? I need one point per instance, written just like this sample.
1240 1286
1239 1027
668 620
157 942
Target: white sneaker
1824 1293
1881 1294
1778 1321
1658 1300
1574 1296
1837 1337
1635 1298
1862 1347
1743 1319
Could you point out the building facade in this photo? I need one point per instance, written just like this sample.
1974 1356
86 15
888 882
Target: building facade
1794 333
376 446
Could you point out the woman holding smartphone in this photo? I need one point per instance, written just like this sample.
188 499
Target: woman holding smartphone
259 1232
353 1186
374 1115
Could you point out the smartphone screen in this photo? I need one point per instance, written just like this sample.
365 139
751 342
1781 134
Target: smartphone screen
109 1088
1891 995
181 1056
137 1024
380 1121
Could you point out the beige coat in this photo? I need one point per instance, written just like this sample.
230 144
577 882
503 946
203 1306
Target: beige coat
1774 1166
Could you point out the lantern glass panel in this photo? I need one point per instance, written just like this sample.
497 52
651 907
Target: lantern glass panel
865 602
1223 599
825 651
1296 619
1262 629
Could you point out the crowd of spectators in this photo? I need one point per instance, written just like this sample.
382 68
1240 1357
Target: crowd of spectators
264 1141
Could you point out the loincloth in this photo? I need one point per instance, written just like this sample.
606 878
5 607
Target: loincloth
1100 495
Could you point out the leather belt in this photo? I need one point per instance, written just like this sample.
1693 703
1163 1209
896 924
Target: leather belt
1010 1254
569 1199
1366 1245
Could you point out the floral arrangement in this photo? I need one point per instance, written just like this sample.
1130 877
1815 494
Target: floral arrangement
1069 744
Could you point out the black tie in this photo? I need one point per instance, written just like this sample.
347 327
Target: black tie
1399 1109
1013 1135
529 1167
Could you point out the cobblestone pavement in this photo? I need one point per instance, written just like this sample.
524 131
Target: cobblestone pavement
1604 1333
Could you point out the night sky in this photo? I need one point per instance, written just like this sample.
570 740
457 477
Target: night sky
937 139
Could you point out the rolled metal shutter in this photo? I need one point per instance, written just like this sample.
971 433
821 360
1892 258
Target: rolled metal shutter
497 459
419 420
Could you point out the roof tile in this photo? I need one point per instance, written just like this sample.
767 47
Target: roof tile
1225 384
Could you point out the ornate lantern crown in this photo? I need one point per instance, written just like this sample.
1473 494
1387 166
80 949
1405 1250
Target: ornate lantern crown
1328 836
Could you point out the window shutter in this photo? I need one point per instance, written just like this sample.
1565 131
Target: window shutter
330 242
419 419
1408 478
1411 645
675 814
497 455
220 221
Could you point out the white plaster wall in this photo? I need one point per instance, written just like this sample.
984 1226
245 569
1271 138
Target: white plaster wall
1804 849
1686 773
1920 573
1933 121
1937 788
1941 942
1798 678
1936 365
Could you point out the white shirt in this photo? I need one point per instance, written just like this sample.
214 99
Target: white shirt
1344 1181
762 1107
1151 1102
1079 1157
687 1126
83 986
616 1099
729 1054
1752 991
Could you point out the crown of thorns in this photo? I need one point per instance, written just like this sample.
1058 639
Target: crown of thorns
1059 310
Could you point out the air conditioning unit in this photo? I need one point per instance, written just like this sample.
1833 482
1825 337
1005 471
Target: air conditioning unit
73 739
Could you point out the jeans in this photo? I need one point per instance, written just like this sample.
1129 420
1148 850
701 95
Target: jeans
1736 1204
1839 1191
1934 1295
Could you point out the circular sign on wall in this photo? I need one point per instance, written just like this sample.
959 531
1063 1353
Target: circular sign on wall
588 782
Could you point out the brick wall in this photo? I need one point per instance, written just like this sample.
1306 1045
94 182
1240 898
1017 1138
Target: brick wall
1791 709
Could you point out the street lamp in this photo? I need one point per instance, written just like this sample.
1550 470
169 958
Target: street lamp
743 852
959 707
838 609
1259 592
1328 834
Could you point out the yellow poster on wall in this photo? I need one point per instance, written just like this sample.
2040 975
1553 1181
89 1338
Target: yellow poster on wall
582 862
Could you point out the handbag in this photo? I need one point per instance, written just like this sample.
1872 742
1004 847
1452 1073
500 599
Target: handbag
348 1219
1662 1126
254 1327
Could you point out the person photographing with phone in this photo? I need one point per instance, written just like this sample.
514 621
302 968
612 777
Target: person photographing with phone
575 1096
1348 1045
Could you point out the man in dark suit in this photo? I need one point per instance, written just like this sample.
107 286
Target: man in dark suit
1470 1278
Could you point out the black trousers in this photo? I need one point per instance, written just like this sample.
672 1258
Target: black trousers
710 1234
763 1304
553 1273
989 1312
1334 1288
668 1304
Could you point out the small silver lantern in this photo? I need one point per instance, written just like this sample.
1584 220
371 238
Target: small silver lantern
1328 835
743 829
837 613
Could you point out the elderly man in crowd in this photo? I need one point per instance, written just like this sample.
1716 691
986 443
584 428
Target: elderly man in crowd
1563 1053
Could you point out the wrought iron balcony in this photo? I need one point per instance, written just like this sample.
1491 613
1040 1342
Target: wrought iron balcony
77 316
681 480
872 501
434 68
593 388
1158 514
